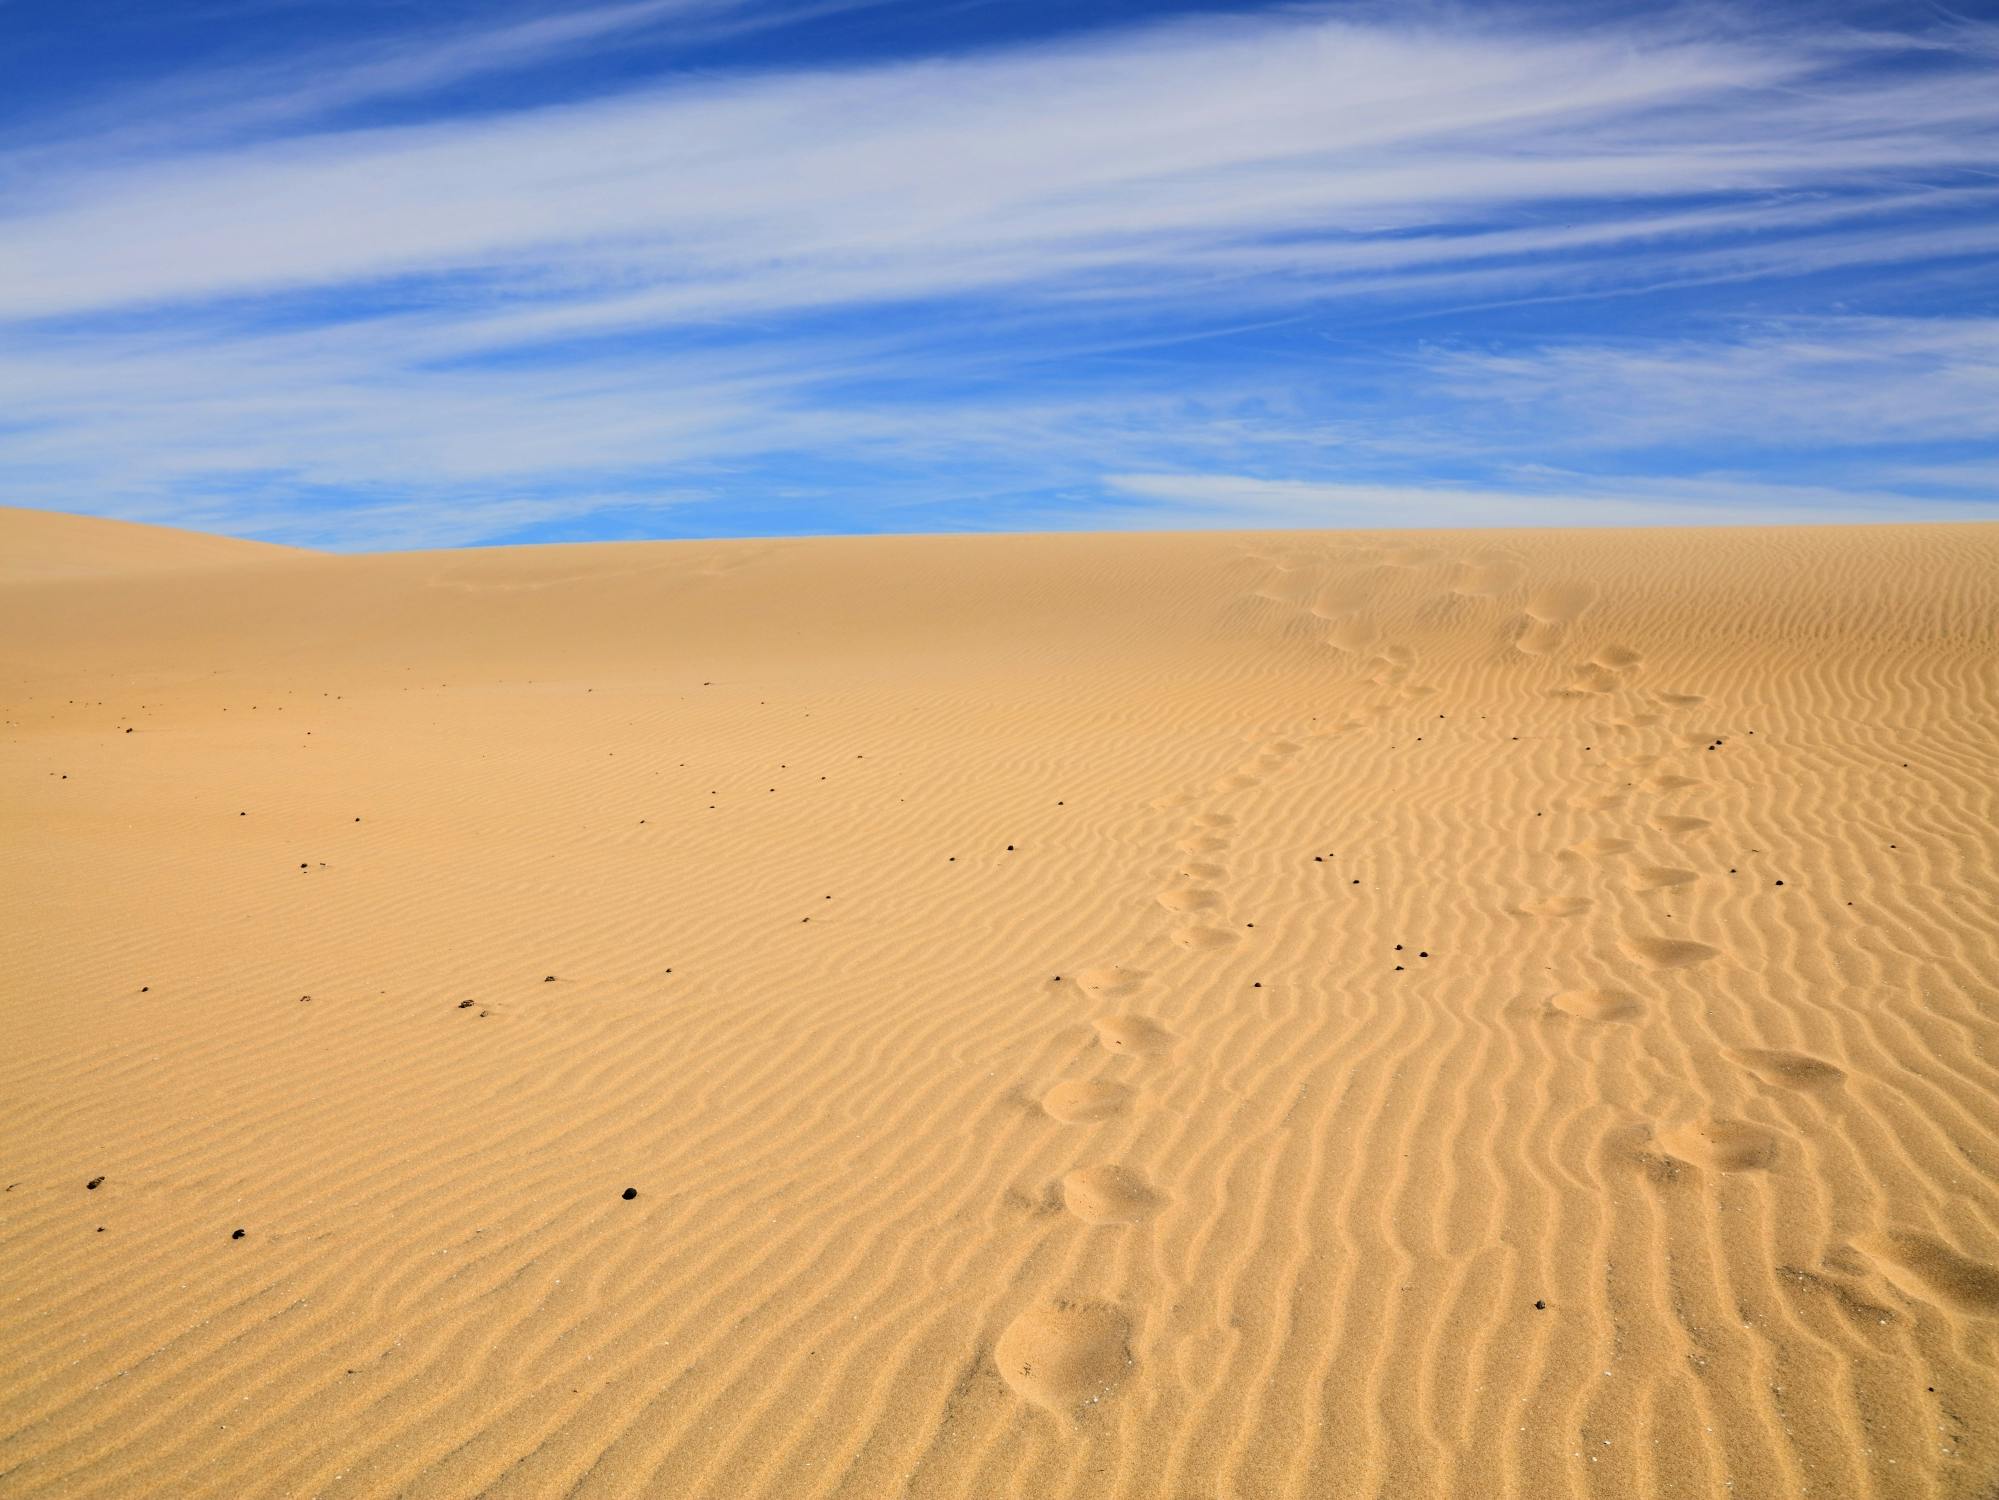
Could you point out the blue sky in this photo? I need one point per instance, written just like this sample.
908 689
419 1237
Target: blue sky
377 273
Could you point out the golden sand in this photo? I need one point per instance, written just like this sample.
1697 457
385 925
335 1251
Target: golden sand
1189 1016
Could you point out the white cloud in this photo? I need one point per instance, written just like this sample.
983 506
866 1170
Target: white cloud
469 310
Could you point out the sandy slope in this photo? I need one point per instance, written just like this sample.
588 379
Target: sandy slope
1188 1016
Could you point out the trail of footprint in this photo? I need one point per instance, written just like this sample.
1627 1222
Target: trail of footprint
1724 1145
1669 953
1790 1069
1595 848
1557 906
1677 826
1109 1194
1135 1036
1922 1266
1204 938
1659 877
1064 1355
1189 898
1598 1005
1111 982
1082 1101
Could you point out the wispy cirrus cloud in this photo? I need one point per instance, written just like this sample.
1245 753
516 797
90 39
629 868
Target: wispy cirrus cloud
928 268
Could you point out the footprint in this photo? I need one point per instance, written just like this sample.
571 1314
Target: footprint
1789 1069
1354 633
1560 603
1064 1355
1660 877
1111 981
1080 1101
1108 1195
1173 799
1923 1266
1723 1145
1669 953
1204 937
1557 906
1678 826
1137 1035
1189 898
1617 658
1682 700
1236 781
1535 638
1598 1005
1215 820
1483 580
1668 781
1591 678
1595 848
1195 870
1202 843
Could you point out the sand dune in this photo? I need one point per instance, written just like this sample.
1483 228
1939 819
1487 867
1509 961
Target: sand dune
1287 1015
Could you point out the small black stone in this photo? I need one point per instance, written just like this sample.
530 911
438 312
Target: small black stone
92 1185
628 1194
237 1235
548 979
1539 1305
465 1004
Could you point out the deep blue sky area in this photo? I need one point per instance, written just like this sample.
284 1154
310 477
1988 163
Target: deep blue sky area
381 273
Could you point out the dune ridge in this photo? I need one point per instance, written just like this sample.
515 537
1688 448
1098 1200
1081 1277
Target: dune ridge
1293 1014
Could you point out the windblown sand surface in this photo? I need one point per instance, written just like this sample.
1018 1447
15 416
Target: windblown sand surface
1192 1016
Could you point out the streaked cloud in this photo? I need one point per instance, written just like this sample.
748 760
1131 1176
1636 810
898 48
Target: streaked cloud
708 284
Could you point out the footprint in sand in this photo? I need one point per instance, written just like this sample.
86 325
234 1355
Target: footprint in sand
1081 1101
1557 906
1591 678
1109 1195
1137 1036
1111 981
1202 843
1560 603
1355 633
1189 898
1795 1070
1923 1266
1682 700
1617 658
1659 877
1486 579
1204 937
1596 848
1672 781
1668 953
1062 1356
1214 820
1598 1005
1723 1145
1677 826
1235 781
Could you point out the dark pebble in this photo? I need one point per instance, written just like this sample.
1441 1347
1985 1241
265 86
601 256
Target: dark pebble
237 1235
1539 1305
92 1185
464 1004
629 1194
